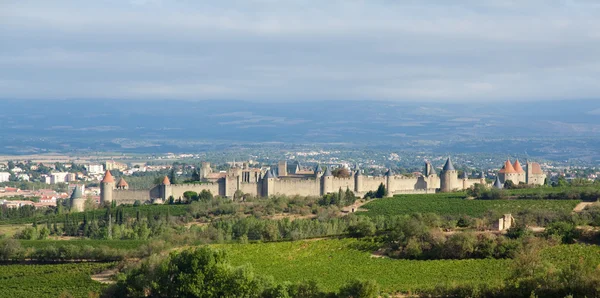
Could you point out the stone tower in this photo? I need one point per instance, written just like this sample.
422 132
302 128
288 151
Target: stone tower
482 178
327 182
77 199
165 189
389 181
448 177
282 168
358 181
318 171
107 186
429 170
122 185
268 184
205 170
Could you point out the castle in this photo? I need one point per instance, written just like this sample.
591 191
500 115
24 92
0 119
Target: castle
265 182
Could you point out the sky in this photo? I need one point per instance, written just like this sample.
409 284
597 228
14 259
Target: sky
295 50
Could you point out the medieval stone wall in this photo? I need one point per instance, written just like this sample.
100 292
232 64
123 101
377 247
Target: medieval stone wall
343 183
130 196
301 187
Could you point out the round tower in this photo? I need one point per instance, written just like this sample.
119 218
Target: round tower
165 189
268 184
327 182
358 182
389 179
107 186
77 199
448 177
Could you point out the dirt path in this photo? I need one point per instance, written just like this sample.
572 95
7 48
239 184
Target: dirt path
105 276
355 207
582 206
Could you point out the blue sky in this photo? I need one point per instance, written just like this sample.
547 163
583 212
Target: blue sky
477 50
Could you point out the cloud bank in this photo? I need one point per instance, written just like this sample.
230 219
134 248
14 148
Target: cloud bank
478 50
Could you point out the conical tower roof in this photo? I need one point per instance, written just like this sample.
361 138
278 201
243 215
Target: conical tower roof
465 175
318 168
327 172
497 183
122 183
389 172
448 166
508 168
518 168
166 181
108 177
77 193
482 175
269 175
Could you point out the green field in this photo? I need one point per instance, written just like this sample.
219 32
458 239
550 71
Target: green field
445 205
50 280
116 244
333 262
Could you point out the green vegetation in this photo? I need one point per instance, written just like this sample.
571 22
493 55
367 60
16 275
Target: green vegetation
50 280
454 205
325 260
116 244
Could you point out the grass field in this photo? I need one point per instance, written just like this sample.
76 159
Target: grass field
333 262
50 280
407 204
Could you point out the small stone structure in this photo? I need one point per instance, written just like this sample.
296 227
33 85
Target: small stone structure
504 223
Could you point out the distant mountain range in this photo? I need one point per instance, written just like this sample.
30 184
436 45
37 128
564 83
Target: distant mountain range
540 128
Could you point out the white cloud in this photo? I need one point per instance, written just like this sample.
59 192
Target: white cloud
294 50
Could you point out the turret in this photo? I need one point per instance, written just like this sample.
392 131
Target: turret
389 179
498 184
482 178
327 182
77 199
318 171
122 185
166 189
358 181
282 168
429 170
268 184
107 186
448 177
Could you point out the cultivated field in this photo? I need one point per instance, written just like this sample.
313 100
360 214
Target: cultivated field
69 280
447 205
333 262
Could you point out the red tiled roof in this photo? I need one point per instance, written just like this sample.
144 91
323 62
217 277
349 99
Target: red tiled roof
508 168
166 181
122 183
518 168
108 177
536 168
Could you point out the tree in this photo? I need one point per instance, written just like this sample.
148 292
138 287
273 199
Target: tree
172 176
190 195
196 175
341 172
202 272
360 289
381 191
205 195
